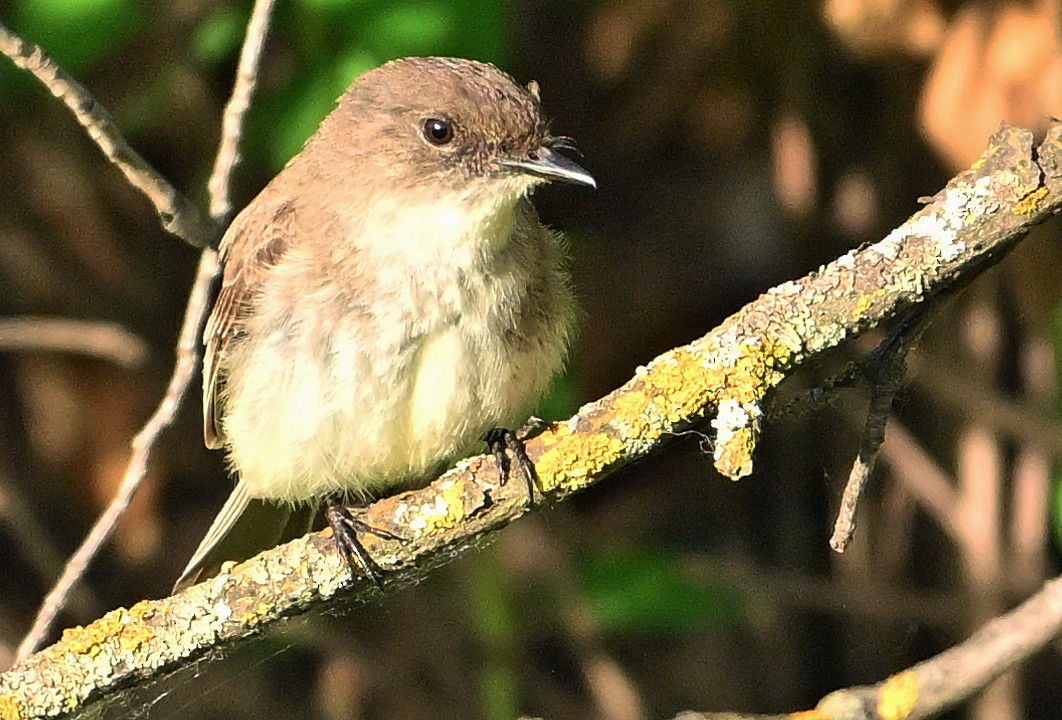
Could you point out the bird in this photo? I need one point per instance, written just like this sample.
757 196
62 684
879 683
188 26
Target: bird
388 301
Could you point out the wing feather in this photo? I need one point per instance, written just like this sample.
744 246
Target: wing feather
244 272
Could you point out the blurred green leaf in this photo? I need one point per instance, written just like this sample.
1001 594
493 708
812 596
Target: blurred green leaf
412 28
75 32
651 591
220 35
562 400
494 629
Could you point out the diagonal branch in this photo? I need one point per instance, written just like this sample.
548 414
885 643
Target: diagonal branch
970 224
886 368
178 215
932 686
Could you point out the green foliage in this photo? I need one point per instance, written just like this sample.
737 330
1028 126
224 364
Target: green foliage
494 629
220 35
651 591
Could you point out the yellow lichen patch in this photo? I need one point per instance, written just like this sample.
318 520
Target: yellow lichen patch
631 408
808 715
142 610
898 697
446 512
10 708
587 453
734 457
134 634
754 372
88 640
866 302
551 436
777 356
745 381
679 384
1031 202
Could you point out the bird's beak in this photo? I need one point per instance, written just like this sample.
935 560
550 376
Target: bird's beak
545 162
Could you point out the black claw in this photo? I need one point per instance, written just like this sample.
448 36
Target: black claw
534 427
501 439
345 528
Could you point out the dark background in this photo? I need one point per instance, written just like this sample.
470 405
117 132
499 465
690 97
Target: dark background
736 145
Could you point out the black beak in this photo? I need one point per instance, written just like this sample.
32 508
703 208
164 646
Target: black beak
545 162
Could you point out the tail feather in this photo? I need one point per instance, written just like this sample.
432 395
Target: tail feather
245 527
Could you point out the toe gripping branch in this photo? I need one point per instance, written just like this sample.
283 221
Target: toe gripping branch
345 529
501 439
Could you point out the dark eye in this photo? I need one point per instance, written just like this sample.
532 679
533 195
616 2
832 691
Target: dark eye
438 131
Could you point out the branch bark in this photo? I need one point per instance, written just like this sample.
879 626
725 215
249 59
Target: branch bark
726 375
177 214
935 685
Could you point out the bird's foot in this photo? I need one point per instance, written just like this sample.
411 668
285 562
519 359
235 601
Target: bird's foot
345 528
501 439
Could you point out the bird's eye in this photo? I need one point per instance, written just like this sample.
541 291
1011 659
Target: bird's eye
438 131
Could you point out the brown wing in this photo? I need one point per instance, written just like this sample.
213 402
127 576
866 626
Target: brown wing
253 244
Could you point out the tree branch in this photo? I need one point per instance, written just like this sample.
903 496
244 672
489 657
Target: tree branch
178 215
970 224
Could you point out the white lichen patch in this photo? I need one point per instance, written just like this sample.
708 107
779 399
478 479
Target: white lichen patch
846 261
787 288
731 417
952 215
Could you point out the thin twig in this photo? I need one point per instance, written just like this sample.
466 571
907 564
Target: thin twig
232 122
183 372
886 368
105 340
817 398
178 215
187 345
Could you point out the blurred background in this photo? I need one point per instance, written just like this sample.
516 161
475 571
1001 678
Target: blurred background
736 145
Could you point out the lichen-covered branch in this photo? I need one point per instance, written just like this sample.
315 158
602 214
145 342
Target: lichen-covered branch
726 374
933 686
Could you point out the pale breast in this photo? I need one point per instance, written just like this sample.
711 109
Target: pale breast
335 400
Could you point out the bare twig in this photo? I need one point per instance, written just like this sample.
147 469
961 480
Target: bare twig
817 398
178 215
187 345
232 122
142 444
886 368
98 339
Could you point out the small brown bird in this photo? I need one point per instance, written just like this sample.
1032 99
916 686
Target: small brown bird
388 300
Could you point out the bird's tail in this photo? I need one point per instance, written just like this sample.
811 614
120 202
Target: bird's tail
245 527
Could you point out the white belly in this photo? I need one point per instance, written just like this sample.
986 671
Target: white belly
343 418
362 401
